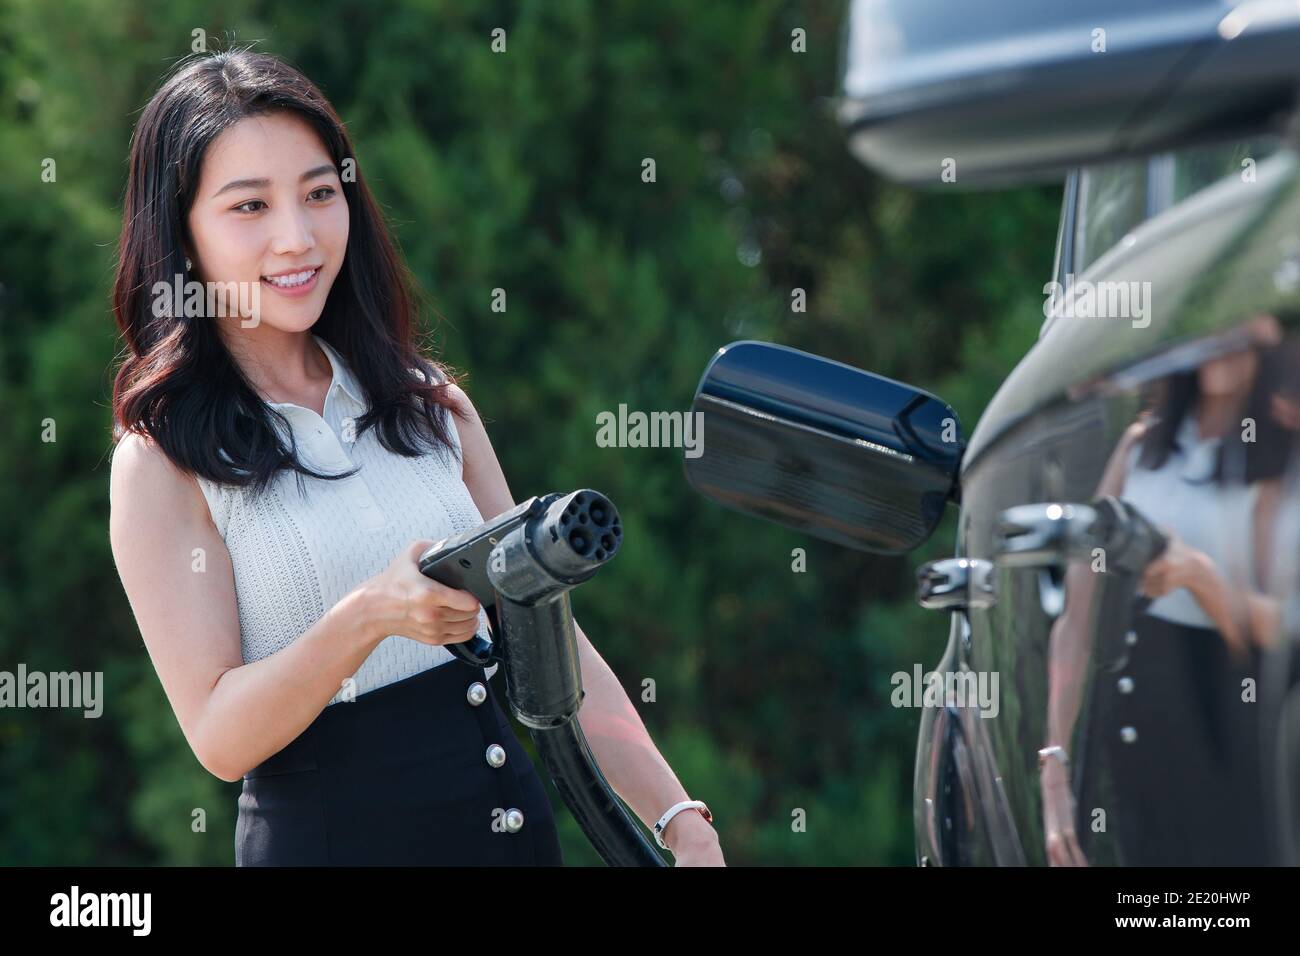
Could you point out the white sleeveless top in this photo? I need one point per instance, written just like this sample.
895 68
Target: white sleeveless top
1213 518
295 556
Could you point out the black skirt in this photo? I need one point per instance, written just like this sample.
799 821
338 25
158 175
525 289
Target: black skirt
1187 785
407 774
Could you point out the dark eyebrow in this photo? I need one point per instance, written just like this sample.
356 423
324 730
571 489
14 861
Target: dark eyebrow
263 183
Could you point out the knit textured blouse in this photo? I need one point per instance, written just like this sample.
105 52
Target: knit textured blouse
295 556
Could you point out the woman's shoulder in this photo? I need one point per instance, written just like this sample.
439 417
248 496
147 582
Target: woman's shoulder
139 462
145 484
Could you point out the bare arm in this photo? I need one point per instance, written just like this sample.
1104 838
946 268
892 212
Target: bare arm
1069 649
1241 615
1070 643
234 715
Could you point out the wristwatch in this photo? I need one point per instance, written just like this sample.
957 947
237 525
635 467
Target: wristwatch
675 809
1057 751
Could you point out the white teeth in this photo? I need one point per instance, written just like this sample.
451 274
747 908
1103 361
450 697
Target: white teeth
297 278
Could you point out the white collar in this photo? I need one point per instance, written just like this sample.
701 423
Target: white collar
1200 455
342 376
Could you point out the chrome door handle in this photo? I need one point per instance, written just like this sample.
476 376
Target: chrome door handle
1053 534
954 583
1044 535
1050 535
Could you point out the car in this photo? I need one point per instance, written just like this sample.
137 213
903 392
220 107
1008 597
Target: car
1126 569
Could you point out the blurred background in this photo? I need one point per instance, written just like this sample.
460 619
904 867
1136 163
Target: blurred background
522 170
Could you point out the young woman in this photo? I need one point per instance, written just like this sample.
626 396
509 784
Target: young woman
298 645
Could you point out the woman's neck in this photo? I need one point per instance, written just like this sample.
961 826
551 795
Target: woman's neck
283 366
1215 415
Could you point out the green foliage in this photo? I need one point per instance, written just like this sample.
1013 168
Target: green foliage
522 171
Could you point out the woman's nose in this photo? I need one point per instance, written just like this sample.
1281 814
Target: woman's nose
293 233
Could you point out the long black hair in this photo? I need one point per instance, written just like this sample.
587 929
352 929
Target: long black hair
1265 457
178 383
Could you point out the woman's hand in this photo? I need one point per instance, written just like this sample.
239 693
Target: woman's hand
693 841
401 600
698 851
1182 566
1058 817
1179 566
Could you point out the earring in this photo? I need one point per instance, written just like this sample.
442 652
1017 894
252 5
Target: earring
188 264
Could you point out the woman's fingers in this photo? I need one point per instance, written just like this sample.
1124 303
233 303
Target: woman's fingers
464 635
1079 858
415 606
451 598
453 633
418 547
1063 848
1153 579
458 617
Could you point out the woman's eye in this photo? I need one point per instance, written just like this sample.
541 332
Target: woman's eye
325 191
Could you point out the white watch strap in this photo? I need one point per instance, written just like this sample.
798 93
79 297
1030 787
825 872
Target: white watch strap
675 809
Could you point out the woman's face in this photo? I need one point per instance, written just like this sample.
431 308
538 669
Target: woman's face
292 219
1228 375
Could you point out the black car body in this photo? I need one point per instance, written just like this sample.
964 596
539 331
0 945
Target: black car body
1128 554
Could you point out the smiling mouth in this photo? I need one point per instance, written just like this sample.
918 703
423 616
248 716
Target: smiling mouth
295 280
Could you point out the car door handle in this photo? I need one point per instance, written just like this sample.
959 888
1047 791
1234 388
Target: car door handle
1044 535
955 583
1048 536
1056 533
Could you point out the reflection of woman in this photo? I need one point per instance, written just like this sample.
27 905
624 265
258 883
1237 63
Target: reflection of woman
1182 742
1198 476
1170 720
297 641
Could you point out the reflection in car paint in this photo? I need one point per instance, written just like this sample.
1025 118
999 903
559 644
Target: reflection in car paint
1172 743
